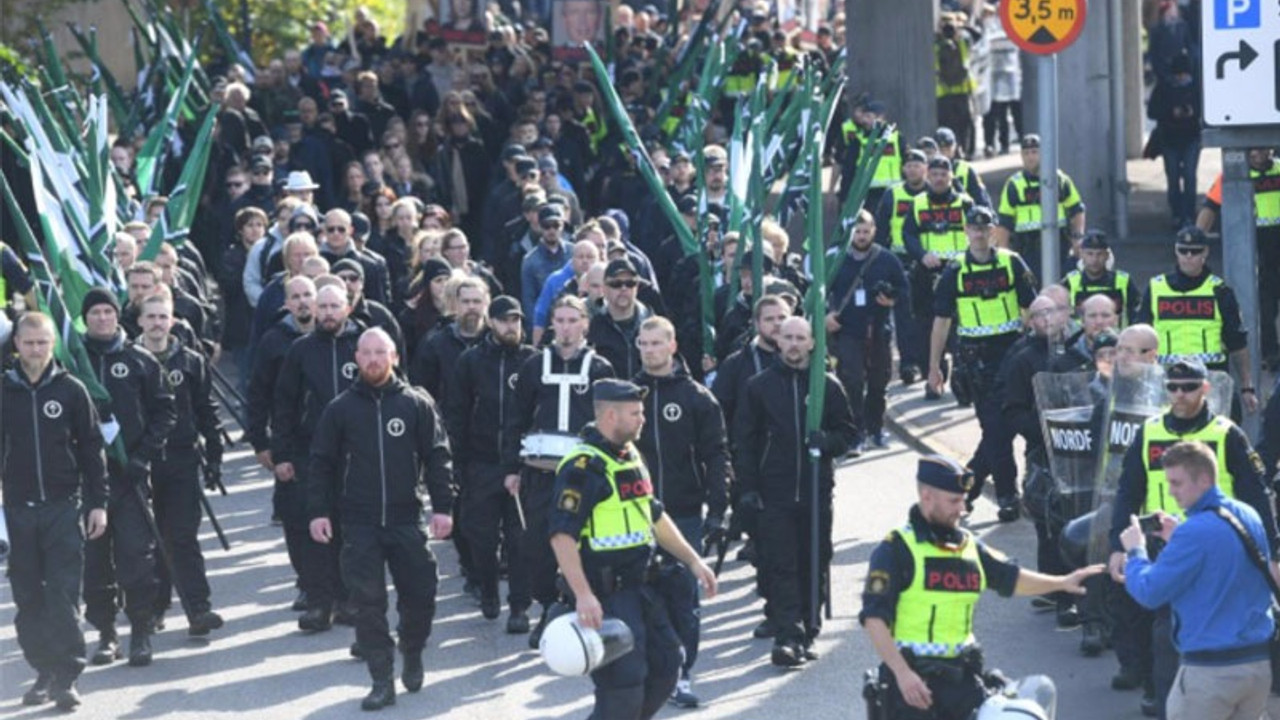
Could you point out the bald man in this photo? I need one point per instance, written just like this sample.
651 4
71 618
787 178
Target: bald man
378 445
1097 314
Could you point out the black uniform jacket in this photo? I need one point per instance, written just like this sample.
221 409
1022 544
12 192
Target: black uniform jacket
267 358
141 400
538 403
484 396
318 367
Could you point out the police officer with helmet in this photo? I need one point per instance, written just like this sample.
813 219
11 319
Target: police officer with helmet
603 525
921 623
983 295
1094 278
1143 489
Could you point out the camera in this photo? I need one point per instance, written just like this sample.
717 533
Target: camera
1150 524
885 288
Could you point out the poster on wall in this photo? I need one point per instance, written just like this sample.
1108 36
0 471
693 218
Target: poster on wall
574 22
460 22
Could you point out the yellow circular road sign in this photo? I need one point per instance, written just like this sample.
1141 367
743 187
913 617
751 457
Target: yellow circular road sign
1043 27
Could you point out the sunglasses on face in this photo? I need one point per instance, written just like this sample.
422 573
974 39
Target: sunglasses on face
1182 387
619 284
1192 251
304 226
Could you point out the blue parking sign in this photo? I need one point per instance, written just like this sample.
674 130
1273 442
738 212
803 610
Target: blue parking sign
1237 14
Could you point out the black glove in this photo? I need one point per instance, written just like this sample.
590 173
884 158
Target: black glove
713 534
212 476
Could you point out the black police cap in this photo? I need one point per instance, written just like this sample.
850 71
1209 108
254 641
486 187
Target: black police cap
614 390
1094 240
915 156
939 163
943 473
980 216
1186 370
1030 142
1192 236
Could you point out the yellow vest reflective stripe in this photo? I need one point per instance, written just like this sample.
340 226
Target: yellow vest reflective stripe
1025 205
1156 439
622 520
1266 195
786 65
596 131
960 169
962 88
934 617
903 201
942 227
4 284
1081 288
849 131
987 298
889 170
1189 324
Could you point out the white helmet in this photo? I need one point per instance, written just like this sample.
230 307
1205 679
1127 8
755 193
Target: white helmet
570 649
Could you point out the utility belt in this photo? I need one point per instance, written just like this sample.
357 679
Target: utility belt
968 664
545 450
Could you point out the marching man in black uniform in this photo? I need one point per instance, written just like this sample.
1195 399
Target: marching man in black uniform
773 466
141 413
921 623
484 396
602 529
175 475
686 448
376 446
55 492
553 403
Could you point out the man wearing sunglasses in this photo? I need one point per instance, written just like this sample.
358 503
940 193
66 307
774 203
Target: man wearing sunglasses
1143 487
613 332
1197 316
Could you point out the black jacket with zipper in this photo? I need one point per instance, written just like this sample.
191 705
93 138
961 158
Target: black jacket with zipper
685 445
538 404
374 448
141 400
618 344
57 418
771 452
317 368
267 358
484 395
197 411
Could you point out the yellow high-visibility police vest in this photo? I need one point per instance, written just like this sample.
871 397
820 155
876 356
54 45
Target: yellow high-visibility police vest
903 201
1081 288
942 226
4 284
596 130
1156 439
934 617
1021 199
889 170
1266 195
1189 324
987 297
961 88
622 520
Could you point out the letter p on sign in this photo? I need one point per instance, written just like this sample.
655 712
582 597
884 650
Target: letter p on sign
1237 14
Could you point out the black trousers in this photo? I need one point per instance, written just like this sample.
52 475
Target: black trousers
176 497
784 543
994 456
122 561
535 543
864 363
1164 657
461 543
492 521
679 590
636 686
315 563
1269 288
1131 632
367 552
955 696
44 573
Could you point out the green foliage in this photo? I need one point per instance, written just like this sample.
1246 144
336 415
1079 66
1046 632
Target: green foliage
13 64
279 26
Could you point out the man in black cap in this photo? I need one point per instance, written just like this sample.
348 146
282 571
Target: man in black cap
1019 210
603 528
613 332
1197 316
890 217
771 461
1094 278
1143 489
548 256
983 294
141 413
477 409
365 310
921 623
966 176
55 489
856 133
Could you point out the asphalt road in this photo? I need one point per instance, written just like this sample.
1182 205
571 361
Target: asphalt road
259 665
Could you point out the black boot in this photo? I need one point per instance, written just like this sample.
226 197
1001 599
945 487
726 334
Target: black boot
140 645
108 649
317 619
412 674
64 695
202 623
518 622
382 671
535 637
39 692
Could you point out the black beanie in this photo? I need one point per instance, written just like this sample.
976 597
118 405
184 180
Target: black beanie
99 296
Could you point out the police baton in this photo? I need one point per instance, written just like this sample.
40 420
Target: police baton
213 520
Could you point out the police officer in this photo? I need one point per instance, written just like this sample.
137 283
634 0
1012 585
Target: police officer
141 413
934 235
552 403
1264 173
298 320
860 297
983 295
1143 489
776 483
965 175
55 491
602 528
377 446
891 215
1093 278
856 133
484 397
1019 209
1197 316
194 444
921 623
686 447
315 370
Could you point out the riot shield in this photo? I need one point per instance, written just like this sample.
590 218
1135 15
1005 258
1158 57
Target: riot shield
1070 417
1221 391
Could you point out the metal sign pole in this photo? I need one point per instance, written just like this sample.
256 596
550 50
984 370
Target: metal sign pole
1047 109
1240 261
